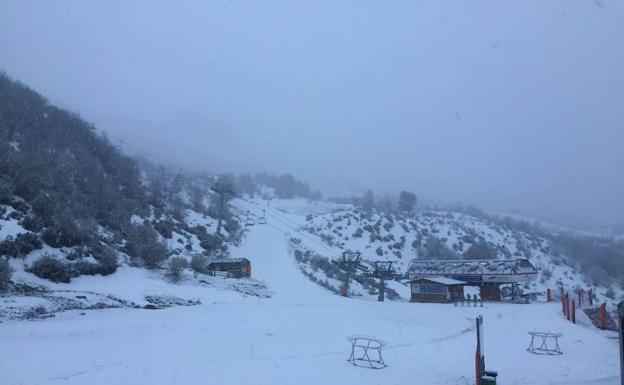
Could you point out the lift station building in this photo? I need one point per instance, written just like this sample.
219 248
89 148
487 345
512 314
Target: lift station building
432 279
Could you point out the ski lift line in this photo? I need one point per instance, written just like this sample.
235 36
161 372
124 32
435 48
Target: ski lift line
285 232
310 238
293 225
282 220
275 214
294 230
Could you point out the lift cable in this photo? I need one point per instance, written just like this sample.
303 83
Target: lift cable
332 253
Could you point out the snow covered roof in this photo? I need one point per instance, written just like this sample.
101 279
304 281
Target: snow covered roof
229 260
495 269
444 280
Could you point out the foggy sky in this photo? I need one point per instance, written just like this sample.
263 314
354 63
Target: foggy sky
509 105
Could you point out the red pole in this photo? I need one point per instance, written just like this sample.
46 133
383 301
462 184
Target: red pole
603 310
548 298
573 312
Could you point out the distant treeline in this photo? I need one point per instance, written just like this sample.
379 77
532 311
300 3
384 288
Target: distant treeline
403 202
284 186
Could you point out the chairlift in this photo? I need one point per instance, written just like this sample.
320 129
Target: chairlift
262 220
249 221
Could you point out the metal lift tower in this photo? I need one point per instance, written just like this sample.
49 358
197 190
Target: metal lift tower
382 270
350 261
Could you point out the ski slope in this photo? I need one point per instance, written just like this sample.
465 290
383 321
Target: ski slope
296 337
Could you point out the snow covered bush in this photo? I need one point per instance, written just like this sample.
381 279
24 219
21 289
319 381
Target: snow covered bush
34 312
610 293
480 250
32 223
67 232
84 268
48 267
5 274
20 205
142 243
107 258
212 244
176 267
199 263
21 245
547 273
165 228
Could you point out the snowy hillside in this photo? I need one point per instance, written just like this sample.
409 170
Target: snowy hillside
300 328
432 235
130 286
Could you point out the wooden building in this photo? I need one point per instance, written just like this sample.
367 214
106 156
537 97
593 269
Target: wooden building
232 267
488 275
436 289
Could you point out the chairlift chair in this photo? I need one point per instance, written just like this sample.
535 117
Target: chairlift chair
262 220
249 221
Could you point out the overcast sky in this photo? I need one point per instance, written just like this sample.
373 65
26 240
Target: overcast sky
506 104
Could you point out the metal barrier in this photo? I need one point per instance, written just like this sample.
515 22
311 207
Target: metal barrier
549 343
365 346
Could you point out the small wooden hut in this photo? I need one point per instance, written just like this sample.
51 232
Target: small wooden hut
233 267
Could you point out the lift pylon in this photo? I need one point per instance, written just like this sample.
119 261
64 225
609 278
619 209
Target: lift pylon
350 262
382 270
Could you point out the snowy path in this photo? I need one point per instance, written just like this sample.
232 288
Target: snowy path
267 247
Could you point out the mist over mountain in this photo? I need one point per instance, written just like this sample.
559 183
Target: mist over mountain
505 105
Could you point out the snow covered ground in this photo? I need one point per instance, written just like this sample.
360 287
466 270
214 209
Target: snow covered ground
298 336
